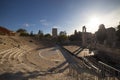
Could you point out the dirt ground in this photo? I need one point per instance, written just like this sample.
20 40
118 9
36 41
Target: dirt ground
31 59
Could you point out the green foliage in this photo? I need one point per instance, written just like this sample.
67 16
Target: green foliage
21 31
62 38
77 36
62 33
31 33
24 34
72 38
40 34
47 36
1 33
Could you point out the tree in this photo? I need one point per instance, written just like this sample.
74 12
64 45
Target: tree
40 34
62 38
77 36
22 32
62 33
47 36
31 33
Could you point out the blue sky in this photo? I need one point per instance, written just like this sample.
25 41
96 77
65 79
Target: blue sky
68 15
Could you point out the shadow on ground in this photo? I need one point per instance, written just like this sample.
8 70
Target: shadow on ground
59 69
31 75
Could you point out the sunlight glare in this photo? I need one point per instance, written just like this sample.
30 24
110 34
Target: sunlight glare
93 23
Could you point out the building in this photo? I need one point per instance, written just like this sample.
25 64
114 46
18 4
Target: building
62 33
87 37
54 32
101 27
101 34
111 36
106 36
4 31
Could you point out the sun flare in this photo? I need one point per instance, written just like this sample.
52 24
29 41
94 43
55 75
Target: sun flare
93 23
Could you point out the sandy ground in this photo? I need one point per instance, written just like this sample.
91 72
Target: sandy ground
72 48
32 61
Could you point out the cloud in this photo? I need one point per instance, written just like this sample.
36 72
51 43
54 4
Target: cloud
112 19
28 25
56 27
44 22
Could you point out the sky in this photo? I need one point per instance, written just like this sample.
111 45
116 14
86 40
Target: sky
66 15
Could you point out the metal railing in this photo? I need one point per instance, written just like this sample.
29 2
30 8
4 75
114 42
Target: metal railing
100 72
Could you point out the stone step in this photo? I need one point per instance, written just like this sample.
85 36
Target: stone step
13 53
17 54
7 50
14 60
19 57
1 50
7 53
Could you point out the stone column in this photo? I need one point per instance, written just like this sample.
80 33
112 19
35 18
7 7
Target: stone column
84 36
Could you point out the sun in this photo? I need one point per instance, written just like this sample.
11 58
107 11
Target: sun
93 23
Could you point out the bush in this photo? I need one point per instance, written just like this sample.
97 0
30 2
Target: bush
24 34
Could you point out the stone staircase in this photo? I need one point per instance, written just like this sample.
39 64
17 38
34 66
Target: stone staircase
14 57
